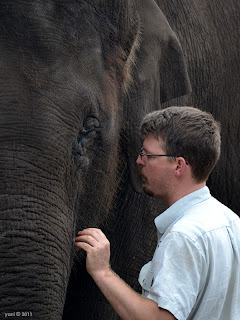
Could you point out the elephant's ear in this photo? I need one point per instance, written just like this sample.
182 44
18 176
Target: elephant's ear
160 74
174 80
139 25
160 58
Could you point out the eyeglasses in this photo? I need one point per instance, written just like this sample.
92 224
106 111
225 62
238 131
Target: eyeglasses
155 155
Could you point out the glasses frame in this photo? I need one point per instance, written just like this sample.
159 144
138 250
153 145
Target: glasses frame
156 155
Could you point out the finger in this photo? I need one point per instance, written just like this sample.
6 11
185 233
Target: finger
87 239
94 232
91 231
83 245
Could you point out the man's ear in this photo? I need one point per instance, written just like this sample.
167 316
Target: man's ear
181 166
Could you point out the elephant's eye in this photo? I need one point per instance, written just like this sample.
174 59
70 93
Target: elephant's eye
90 123
87 135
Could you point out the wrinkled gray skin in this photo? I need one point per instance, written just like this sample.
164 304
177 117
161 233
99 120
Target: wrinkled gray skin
76 78
69 134
209 32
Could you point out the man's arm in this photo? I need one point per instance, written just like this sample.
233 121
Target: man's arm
127 303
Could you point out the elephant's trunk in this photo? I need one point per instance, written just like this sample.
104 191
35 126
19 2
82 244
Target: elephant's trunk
37 259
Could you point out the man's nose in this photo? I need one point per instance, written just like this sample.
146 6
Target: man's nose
139 160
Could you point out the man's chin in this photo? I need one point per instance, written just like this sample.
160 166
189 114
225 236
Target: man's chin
147 191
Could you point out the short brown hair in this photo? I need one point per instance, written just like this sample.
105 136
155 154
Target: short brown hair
188 132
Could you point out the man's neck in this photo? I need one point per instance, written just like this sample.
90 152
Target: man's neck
183 191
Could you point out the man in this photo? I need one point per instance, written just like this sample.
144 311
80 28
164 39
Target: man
195 270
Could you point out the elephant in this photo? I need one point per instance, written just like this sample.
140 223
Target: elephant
76 78
208 31
209 34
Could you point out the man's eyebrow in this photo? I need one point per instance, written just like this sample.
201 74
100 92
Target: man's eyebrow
145 150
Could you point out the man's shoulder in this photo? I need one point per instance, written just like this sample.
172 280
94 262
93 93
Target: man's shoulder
203 218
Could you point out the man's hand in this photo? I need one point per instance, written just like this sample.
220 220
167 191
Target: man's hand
97 247
127 303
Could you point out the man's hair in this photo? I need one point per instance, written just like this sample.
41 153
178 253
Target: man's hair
187 132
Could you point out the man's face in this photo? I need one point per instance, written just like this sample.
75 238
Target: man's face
157 172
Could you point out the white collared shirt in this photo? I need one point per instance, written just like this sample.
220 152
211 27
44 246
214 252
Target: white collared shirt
195 270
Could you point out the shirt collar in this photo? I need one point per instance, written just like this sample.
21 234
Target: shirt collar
178 209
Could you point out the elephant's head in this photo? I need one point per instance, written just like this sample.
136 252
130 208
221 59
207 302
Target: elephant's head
76 78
